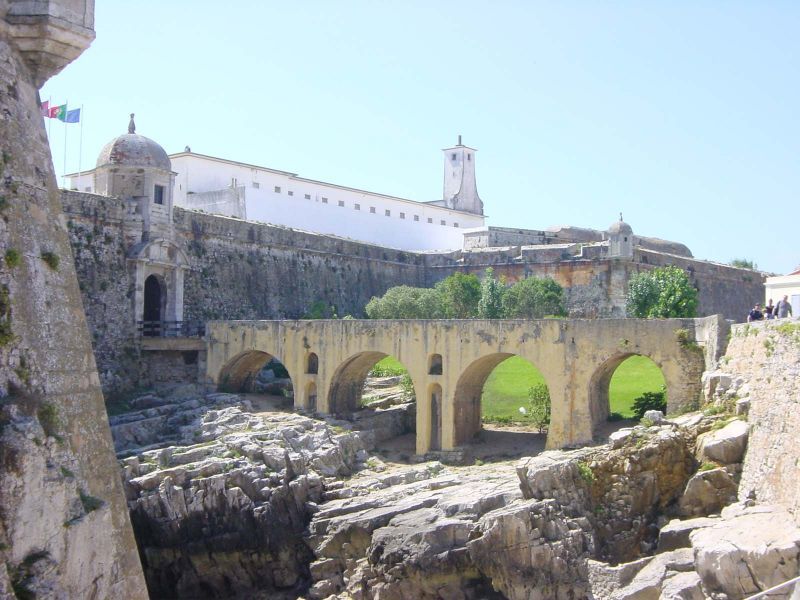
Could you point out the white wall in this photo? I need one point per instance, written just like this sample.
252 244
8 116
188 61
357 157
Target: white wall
283 198
786 285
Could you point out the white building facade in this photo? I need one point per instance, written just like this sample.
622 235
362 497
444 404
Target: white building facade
254 193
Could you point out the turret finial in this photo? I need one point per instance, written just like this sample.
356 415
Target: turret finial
131 125
620 217
459 139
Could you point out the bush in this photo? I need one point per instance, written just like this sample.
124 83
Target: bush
650 401
13 258
539 406
51 259
534 298
662 293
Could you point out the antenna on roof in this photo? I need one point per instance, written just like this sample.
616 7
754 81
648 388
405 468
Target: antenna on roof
131 125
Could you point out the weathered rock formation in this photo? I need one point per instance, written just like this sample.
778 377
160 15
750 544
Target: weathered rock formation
64 530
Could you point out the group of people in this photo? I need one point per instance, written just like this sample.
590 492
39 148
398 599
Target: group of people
781 310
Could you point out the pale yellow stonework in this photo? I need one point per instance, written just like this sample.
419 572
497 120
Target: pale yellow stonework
576 358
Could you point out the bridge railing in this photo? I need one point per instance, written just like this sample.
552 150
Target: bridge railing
171 328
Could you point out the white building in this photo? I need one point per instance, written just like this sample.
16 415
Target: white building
255 193
784 285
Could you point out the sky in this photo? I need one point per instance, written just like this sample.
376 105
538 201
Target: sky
681 115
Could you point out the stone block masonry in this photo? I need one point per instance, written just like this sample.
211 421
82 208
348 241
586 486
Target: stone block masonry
64 527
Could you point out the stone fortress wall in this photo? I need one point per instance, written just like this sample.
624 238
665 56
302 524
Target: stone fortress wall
243 270
64 525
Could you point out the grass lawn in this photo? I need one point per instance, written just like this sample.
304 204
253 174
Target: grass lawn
506 389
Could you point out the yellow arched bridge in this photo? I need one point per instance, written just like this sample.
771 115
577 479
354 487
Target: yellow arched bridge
449 360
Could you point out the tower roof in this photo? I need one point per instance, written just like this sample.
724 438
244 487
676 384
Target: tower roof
133 150
620 226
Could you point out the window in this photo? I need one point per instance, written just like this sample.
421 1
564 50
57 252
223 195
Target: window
416 217
402 215
324 200
256 185
455 224
308 196
442 222
387 212
372 209
290 192
453 156
469 156
277 189
357 206
158 194
341 202
430 220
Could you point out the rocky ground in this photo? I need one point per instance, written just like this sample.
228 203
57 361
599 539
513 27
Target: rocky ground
235 496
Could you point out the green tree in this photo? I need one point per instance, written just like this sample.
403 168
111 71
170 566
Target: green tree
664 292
534 298
406 302
460 294
743 263
490 305
539 406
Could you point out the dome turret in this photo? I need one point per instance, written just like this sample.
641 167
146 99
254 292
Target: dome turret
620 239
133 150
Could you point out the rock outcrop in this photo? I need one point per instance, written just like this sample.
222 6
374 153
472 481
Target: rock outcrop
222 512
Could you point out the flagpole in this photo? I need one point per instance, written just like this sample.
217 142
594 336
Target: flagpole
64 172
49 120
80 144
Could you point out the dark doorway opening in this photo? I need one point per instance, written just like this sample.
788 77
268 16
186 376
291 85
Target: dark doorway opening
153 306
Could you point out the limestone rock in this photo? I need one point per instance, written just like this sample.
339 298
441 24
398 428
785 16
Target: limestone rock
725 446
707 493
675 534
749 550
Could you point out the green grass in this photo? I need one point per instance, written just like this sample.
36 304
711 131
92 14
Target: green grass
506 388
389 366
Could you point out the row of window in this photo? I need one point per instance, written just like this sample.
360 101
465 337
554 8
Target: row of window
356 206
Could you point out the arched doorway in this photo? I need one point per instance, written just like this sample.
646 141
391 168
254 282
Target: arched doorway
619 382
155 300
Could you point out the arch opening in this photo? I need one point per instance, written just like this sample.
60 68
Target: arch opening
435 364
619 382
375 391
260 373
155 305
311 397
312 364
435 395
502 399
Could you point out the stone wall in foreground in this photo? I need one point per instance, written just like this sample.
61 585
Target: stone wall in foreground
765 359
64 527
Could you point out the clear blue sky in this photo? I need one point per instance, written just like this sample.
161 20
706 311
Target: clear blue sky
682 115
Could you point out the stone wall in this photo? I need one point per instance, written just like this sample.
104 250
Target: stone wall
64 527
596 285
765 357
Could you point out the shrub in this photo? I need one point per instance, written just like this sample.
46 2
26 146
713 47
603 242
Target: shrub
51 259
650 401
534 298
13 258
539 406
662 293
585 472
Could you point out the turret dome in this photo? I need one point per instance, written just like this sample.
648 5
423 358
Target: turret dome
620 227
133 150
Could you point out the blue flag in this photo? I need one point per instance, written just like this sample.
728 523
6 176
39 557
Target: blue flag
73 116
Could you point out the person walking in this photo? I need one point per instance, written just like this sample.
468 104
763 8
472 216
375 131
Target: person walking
783 308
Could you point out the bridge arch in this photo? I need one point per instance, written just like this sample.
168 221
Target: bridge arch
240 372
347 383
600 384
469 391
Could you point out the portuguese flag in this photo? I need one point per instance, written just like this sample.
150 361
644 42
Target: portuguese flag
58 112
